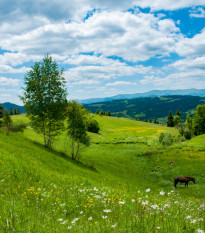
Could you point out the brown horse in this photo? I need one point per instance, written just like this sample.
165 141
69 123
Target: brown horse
185 180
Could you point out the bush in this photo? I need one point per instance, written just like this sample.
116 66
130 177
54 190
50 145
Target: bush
18 127
166 139
93 126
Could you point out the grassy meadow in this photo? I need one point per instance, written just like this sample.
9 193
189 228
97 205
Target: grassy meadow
122 183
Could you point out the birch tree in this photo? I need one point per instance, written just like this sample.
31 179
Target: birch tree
44 98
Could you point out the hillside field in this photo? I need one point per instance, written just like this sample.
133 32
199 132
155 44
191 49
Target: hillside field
122 183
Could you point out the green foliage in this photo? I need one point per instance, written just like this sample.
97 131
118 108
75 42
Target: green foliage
6 121
199 120
93 126
177 120
118 114
44 99
108 113
136 118
76 130
149 107
170 120
166 139
18 127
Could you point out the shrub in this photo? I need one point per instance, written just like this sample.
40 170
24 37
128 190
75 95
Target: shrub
18 127
93 126
166 139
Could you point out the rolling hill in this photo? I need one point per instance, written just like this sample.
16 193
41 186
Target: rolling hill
154 93
149 108
122 183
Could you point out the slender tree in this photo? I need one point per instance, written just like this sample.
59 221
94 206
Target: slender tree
199 120
14 111
11 111
18 111
44 98
76 119
6 121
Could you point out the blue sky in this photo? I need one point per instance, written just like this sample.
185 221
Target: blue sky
105 47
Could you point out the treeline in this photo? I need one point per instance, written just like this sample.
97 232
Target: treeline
14 111
192 126
149 108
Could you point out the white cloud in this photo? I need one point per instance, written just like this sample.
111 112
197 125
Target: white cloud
192 47
120 83
187 64
9 69
133 37
8 81
169 4
198 13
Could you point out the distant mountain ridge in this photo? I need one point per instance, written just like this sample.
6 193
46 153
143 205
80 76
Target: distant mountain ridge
154 93
8 106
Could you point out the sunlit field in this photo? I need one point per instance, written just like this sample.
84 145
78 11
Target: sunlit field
122 183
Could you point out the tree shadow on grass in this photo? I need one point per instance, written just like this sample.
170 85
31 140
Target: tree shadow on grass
64 156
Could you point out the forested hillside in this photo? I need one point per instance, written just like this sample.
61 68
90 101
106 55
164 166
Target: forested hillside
149 108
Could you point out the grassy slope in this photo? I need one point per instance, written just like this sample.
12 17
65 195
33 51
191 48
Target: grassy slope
125 157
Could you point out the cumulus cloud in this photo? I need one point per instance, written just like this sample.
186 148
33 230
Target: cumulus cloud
101 69
8 81
192 47
187 64
133 37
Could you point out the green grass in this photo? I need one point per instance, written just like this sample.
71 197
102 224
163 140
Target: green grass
44 190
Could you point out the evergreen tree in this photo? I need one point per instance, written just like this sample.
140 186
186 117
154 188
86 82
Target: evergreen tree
177 120
18 111
178 113
14 111
97 112
11 111
170 120
118 115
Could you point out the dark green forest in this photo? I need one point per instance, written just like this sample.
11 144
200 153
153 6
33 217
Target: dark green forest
150 108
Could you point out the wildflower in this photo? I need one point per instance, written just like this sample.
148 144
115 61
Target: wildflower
202 206
81 212
107 211
200 231
104 216
162 193
133 200
64 222
193 221
74 220
113 226
69 227
121 202
154 206
90 218
60 219
158 227
188 217
147 190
